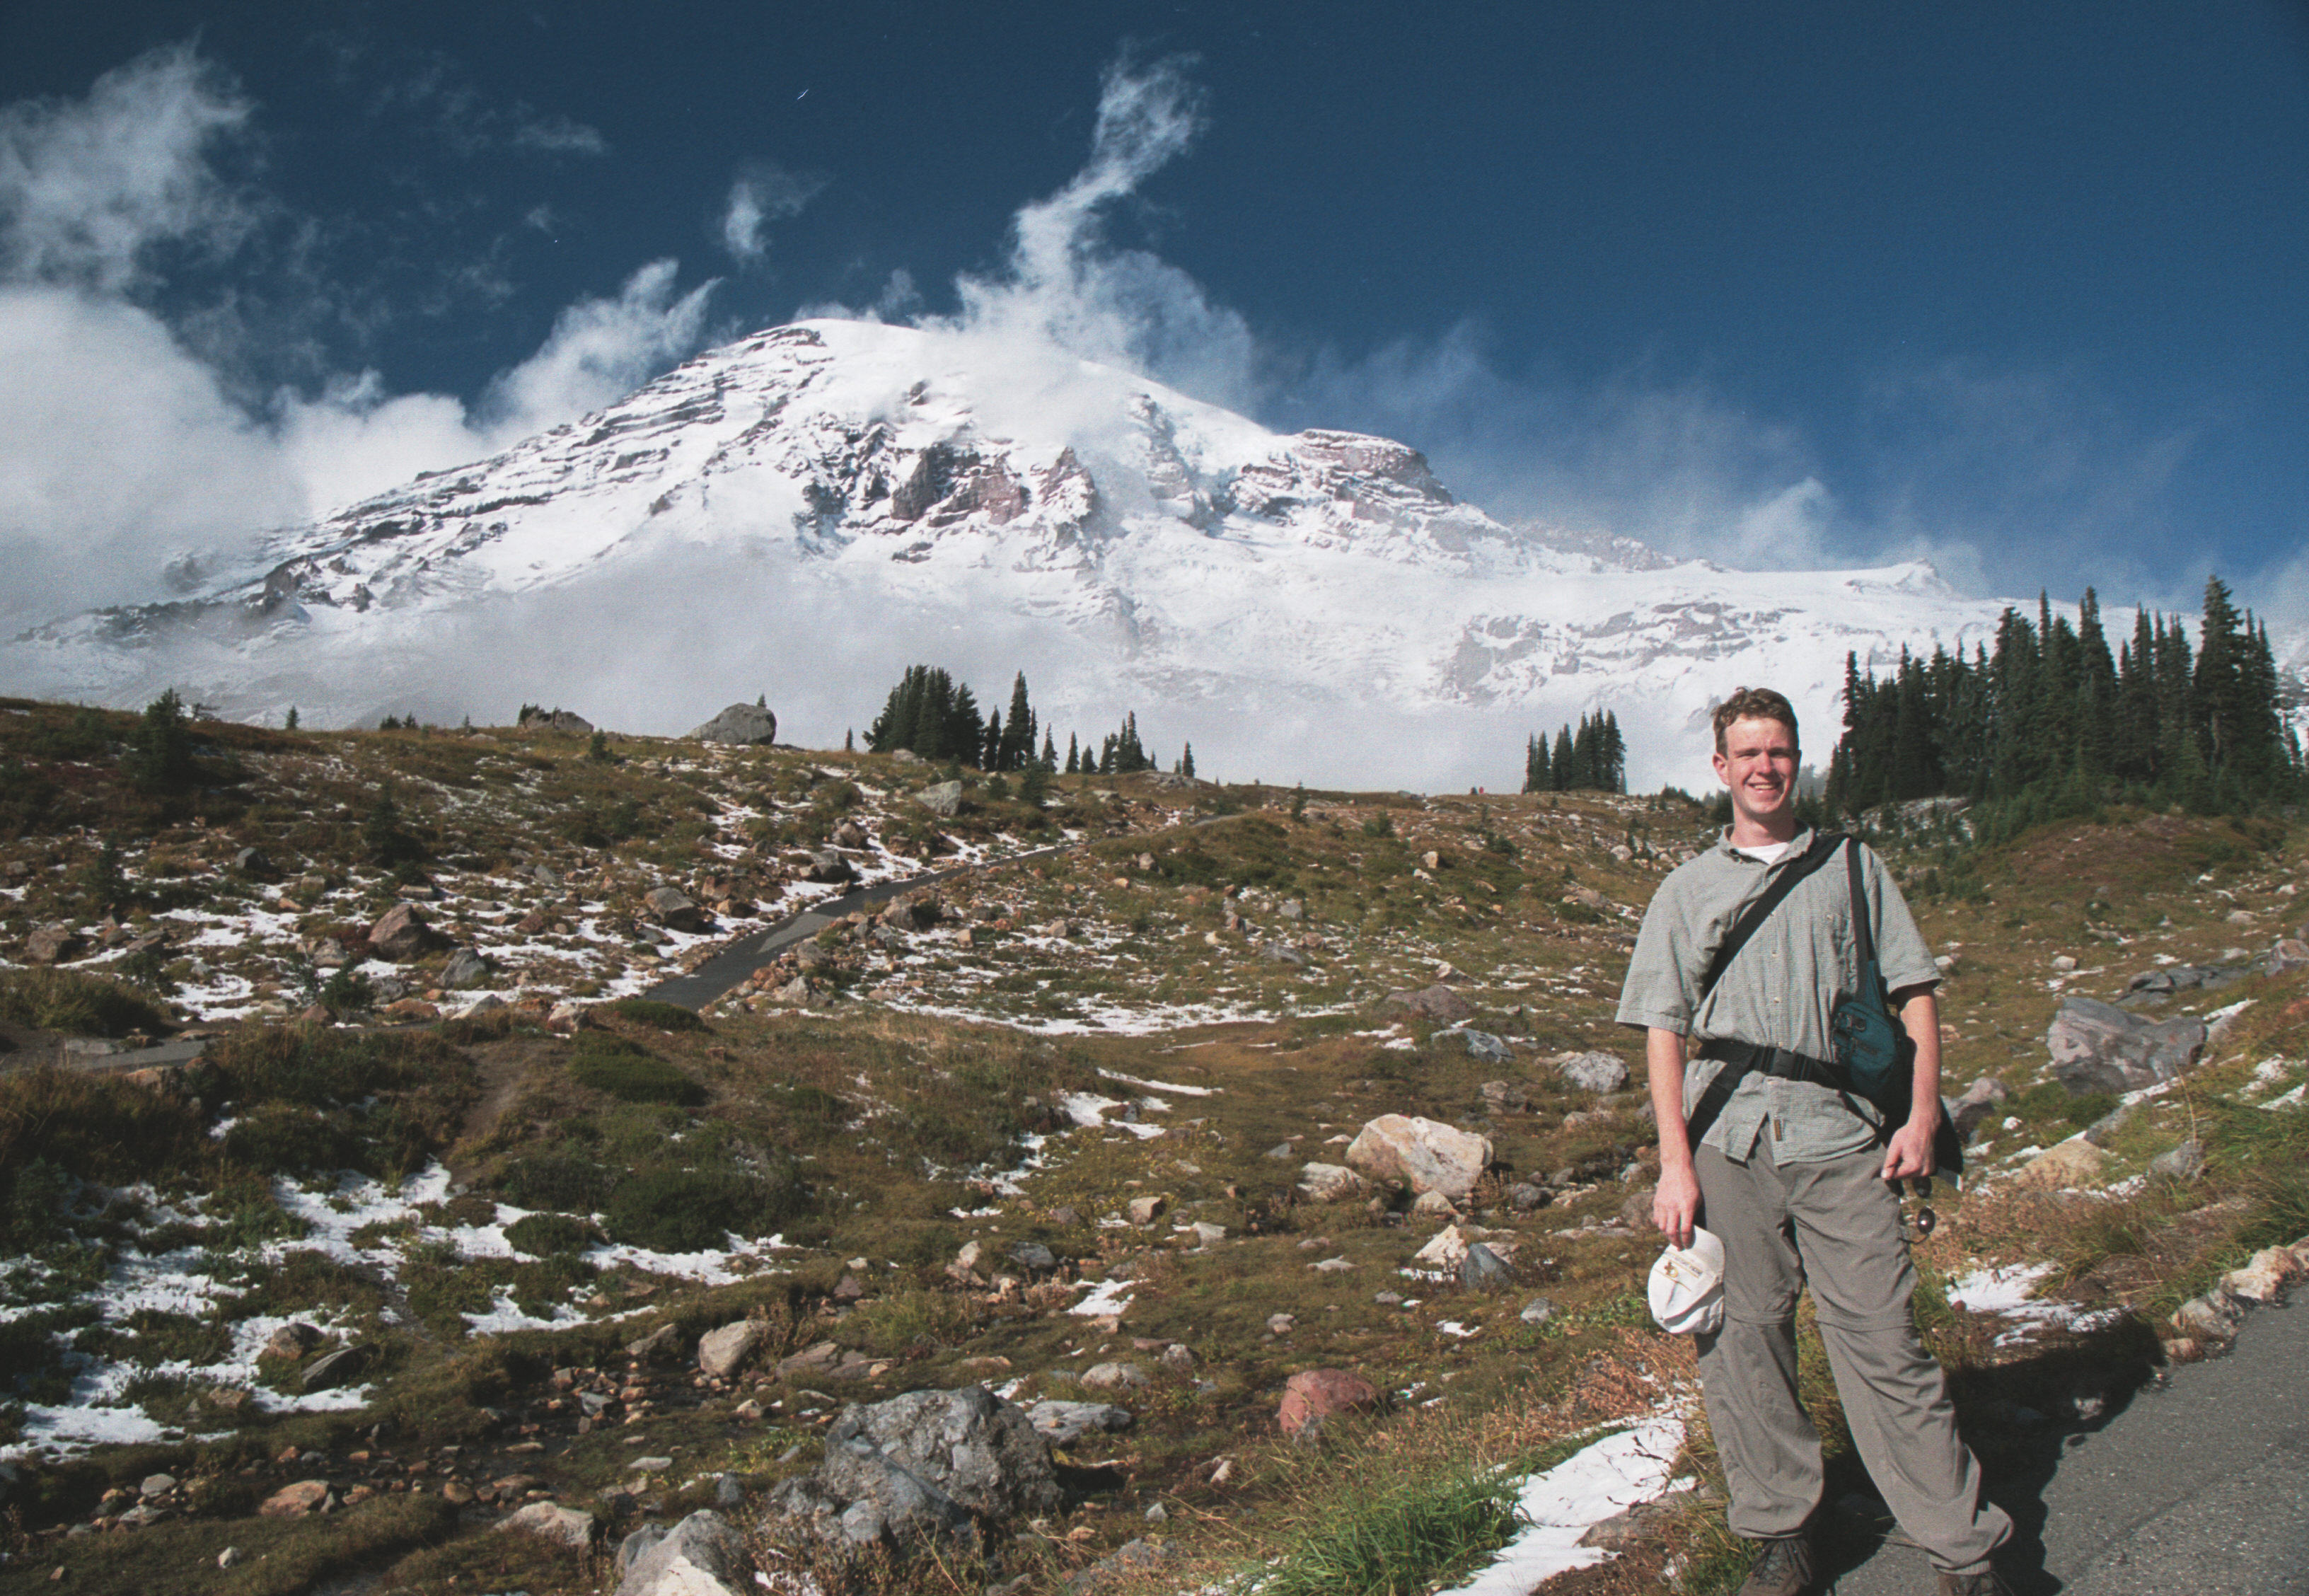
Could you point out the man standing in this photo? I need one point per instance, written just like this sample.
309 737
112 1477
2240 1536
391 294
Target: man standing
1793 1173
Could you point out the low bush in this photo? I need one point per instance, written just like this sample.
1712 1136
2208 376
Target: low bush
666 1017
381 1103
560 1178
630 1073
691 1210
95 1127
77 1004
547 1236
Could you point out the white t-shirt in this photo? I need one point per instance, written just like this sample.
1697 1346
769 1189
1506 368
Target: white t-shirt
1768 854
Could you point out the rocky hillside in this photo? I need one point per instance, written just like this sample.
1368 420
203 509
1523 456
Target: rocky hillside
1196 1179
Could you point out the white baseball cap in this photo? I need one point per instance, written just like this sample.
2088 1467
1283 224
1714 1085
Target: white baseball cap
1687 1286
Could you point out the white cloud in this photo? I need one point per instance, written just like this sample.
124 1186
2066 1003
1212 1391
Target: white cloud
760 195
123 448
1066 287
88 187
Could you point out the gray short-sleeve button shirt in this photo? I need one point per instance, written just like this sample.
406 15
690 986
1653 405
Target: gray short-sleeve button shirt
1778 992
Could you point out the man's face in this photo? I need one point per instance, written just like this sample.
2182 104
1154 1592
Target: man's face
1759 765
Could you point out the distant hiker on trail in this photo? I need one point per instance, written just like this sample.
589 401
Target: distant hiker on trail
1791 1171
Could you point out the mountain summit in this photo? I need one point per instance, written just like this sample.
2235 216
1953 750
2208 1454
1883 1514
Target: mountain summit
806 510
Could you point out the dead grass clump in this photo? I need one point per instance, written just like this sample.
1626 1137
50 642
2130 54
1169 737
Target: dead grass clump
630 1072
95 1127
314 1098
77 1004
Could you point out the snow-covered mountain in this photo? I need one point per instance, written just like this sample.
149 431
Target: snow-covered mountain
805 511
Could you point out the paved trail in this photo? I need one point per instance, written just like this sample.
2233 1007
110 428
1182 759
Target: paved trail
2198 1489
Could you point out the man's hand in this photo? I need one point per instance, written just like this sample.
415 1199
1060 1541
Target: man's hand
1910 1150
1675 1205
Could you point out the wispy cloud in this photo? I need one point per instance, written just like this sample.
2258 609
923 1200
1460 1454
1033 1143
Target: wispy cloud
88 188
761 193
129 439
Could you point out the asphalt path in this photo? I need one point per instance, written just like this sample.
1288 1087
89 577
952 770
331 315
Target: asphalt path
2199 1487
749 954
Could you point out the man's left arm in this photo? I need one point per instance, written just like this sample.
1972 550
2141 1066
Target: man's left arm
1910 1150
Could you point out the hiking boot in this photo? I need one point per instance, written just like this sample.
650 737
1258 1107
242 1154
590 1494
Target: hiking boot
1782 1567
1986 1582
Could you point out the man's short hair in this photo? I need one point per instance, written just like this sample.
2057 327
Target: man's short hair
1755 703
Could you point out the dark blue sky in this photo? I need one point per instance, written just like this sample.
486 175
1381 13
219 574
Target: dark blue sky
2024 289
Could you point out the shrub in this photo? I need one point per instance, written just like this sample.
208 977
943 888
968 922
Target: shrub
693 1211
665 1016
630 1073
77 1004
1381 824
380 1103
546 1235
93 1127
561 1179
160 750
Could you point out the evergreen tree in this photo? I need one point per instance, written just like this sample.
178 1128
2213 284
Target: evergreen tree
1535 775
1074 755
290 724
992 743
1560 768
1049 752
1186 759
160 757
1018 738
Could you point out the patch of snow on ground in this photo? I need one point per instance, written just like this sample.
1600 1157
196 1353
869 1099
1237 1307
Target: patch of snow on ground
1111 1297
1560 1505
1161 1085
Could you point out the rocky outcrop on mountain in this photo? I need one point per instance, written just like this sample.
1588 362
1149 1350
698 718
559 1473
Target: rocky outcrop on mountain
2099 1047
749 724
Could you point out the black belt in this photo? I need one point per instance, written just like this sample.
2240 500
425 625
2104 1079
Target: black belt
1743 1059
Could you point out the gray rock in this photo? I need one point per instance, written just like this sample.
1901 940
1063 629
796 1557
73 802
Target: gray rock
1592 1071
943 799
721 1353
2183 1162
1331 1183
829 868
2103 1130
1523 1197
922 1469
252 863
465 969
674 909
1282 953
1421 1153
1483 1269
1979 1098
1537 1311
552 1524
1488 1048
1114 1376
1062 1424
556 720
746 724
341 1367
1132 1559
1438 1003
1282 1150
2291 953
1033 1255
2099 1047
728 1493
630 1550
157 1485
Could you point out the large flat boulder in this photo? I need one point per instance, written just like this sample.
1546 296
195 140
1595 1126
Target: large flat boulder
746 724
2099 1047
704 1554
1419 1153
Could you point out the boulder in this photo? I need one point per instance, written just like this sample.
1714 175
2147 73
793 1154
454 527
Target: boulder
1112 1377
401 933
1537 1312
2212 1317
721 1353
1490 1049
2181 1163
1313 1395
1332 1182
745 724
552 1524
54 943
2099 1047
1434 1206
295 1501
1438 1003
828 868
2075 1162
704 1554
825 1361
1062 1424
1282 953
292 1340
943 799
1982 1095
1592 1071
1483 1269
465 969
555 720
1523 1197
2290 954
923 1467
674 909
1146 1210
341 1367
849 834
664 1342
2263 1280
1419 1153
910 914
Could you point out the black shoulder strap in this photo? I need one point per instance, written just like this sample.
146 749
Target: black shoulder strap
1861 912
1823 845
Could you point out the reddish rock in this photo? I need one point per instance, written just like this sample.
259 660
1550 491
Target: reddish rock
409 1009
1438 1003
295 1501
1317 1393
400 934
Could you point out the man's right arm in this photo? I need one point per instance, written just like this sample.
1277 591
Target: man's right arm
1676 1204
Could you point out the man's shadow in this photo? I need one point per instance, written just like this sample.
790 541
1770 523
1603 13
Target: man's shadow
2020 1418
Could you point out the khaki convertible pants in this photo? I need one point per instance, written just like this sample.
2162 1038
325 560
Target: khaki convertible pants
1836 1225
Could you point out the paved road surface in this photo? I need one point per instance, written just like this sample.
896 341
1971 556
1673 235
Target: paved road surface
2200 1489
